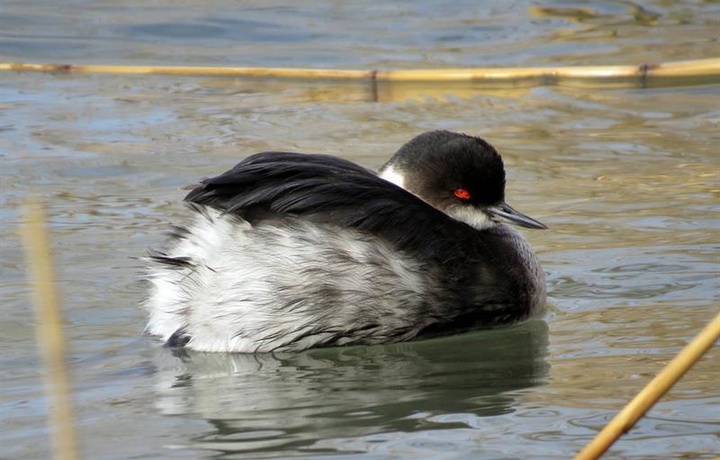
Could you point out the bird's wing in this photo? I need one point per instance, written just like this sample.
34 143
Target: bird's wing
325 189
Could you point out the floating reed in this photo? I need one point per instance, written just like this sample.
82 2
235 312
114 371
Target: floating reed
48 328
626 419
701 68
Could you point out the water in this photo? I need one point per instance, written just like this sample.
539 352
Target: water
627 179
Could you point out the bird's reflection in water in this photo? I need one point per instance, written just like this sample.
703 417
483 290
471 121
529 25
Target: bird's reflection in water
283 403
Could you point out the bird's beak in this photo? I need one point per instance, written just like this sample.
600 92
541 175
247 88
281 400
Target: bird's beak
506 212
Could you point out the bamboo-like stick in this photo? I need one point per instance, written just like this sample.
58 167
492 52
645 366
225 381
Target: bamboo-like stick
653 391
257 72
681 69
48 328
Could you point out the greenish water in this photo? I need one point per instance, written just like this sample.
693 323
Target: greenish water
628 179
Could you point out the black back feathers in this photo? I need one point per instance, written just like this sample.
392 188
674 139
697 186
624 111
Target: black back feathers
326 189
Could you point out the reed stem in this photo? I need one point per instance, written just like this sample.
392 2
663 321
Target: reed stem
653 391
681 69
48 328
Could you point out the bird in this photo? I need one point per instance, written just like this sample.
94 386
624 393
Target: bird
289 251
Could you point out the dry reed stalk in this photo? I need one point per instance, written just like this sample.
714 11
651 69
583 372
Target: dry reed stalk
48 328
701 68
653 391
254 72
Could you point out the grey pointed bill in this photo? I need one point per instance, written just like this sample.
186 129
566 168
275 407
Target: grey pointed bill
505 211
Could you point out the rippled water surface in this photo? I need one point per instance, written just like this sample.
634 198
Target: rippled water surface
628 179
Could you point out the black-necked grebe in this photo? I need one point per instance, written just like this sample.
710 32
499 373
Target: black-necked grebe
290 251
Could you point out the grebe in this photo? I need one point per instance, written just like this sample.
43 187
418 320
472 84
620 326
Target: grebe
289 251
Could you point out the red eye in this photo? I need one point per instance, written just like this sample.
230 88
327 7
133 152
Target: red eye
462 194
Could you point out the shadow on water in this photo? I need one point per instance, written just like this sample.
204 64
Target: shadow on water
291 401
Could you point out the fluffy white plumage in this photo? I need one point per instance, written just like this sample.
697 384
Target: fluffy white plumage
236 295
